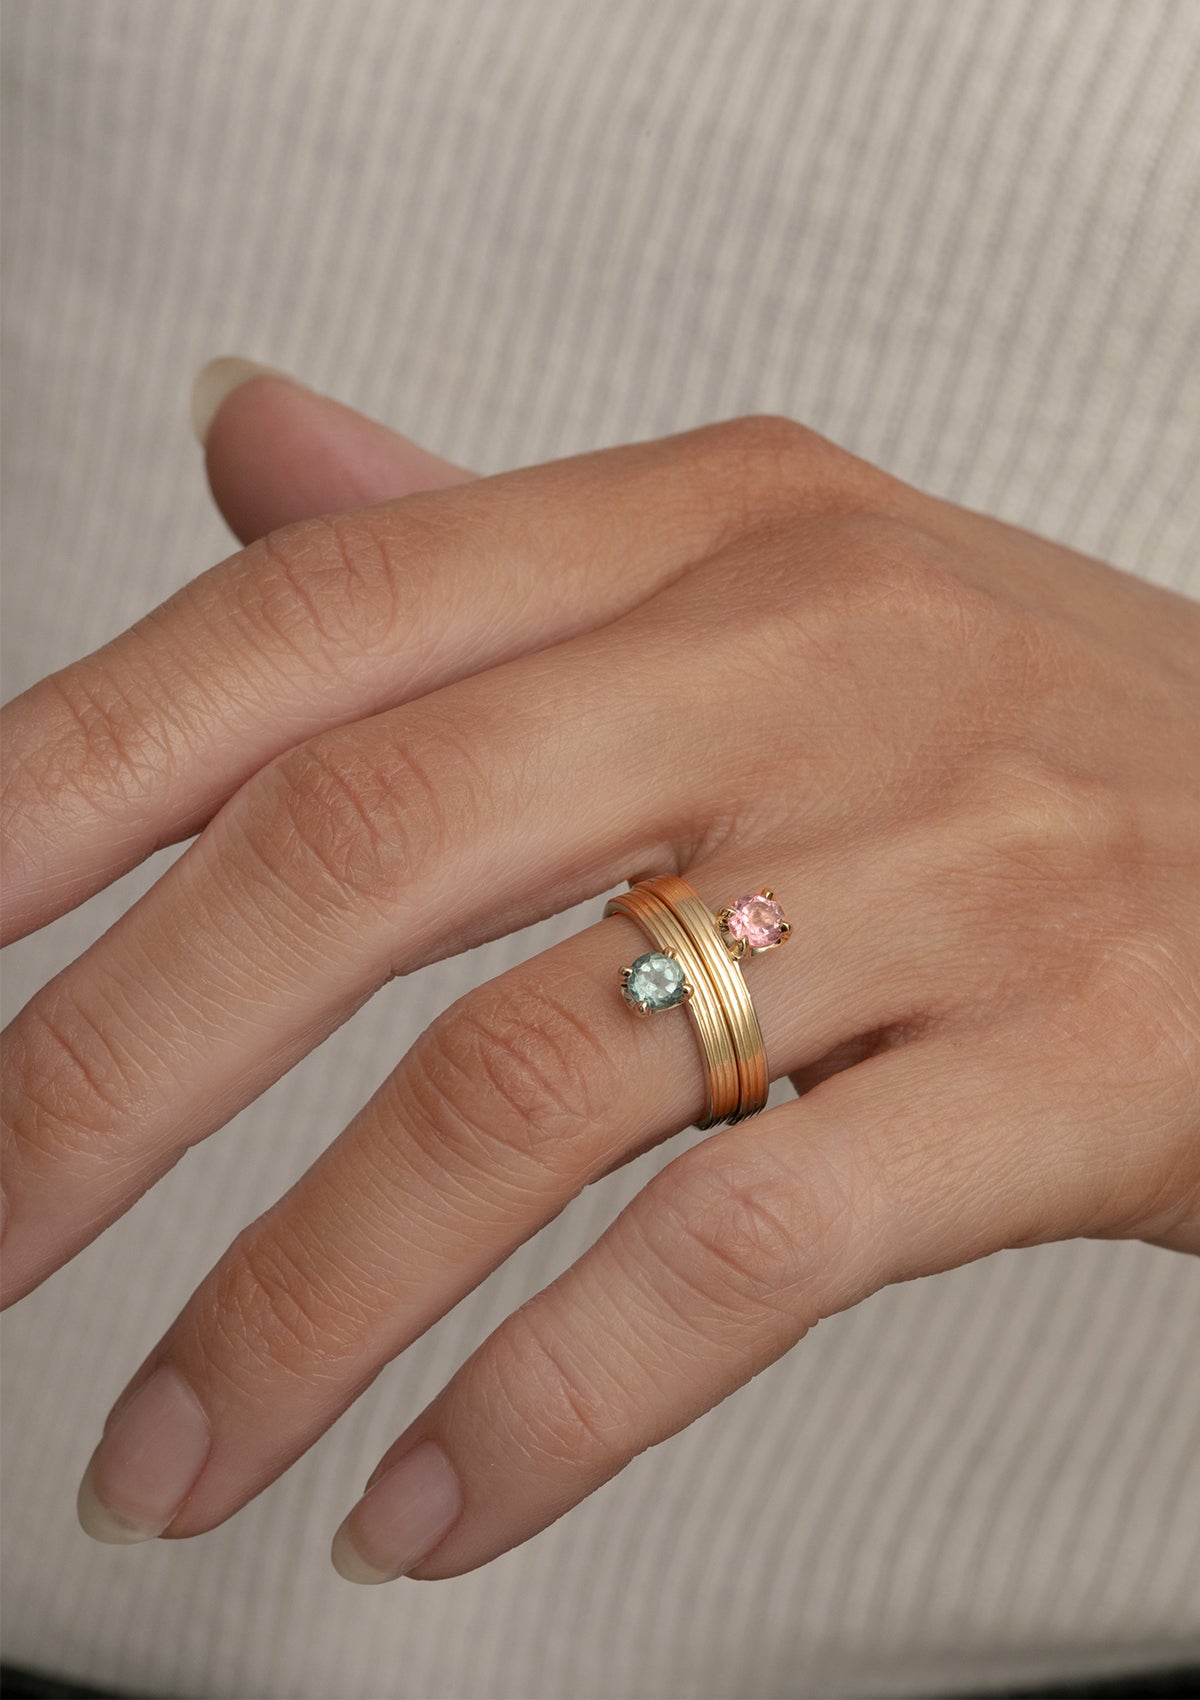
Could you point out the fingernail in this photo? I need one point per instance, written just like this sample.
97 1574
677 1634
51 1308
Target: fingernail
218 379
401 1519
147 1461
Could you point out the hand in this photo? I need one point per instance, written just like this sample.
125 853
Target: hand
967 759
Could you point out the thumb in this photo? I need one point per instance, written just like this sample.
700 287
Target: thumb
278 452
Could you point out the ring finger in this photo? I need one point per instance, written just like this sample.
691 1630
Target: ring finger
513 1100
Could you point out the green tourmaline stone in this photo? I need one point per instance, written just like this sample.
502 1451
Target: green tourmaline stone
655 979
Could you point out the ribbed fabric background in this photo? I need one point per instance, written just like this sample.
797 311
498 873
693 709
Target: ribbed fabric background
962 237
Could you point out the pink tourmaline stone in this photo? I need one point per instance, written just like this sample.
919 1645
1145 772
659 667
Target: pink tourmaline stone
756 919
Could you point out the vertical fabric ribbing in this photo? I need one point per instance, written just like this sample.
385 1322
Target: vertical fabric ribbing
961 236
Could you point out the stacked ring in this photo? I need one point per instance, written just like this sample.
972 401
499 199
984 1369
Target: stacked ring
671 974
697 963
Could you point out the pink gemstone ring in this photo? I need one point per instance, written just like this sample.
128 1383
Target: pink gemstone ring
753 924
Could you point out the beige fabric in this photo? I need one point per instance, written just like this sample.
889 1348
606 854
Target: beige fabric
962 236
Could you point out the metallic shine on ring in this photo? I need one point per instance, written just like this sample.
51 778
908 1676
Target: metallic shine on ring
697 962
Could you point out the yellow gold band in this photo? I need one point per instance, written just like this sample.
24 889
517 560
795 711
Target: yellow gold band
667 932
732 991
699 963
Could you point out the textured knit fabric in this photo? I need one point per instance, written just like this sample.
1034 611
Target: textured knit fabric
960 236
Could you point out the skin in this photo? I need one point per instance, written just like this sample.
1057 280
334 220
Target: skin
967 760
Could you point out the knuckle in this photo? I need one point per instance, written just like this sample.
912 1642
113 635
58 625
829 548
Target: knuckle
767 463
739 1236
555 1414
265 1310
91 734
340 589
511 1074
771 437
1038 825
885 571
349 820
866 590
69 1089
327 587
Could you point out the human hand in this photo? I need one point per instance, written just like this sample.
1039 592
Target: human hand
967 759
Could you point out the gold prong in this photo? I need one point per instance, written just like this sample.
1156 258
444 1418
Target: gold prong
625 974
642 1007
724 914
688 990
765 891
785 928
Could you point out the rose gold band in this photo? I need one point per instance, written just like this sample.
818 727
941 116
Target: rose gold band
732 991
676 920
665 930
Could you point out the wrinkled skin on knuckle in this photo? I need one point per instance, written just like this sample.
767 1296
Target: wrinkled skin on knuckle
531 1383
324 588
266 1312
105 741
342 590
737 1241
511 1081
69 1092
349 822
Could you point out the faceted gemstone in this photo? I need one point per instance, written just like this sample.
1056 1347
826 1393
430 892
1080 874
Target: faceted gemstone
757 919
655 979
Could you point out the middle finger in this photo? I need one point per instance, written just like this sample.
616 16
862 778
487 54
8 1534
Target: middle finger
366 852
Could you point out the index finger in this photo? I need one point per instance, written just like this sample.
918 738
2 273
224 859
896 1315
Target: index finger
341 616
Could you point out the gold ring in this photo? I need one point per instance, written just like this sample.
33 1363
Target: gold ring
673 973
697 962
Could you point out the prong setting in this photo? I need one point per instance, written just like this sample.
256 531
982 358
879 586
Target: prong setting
654 982
754 923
